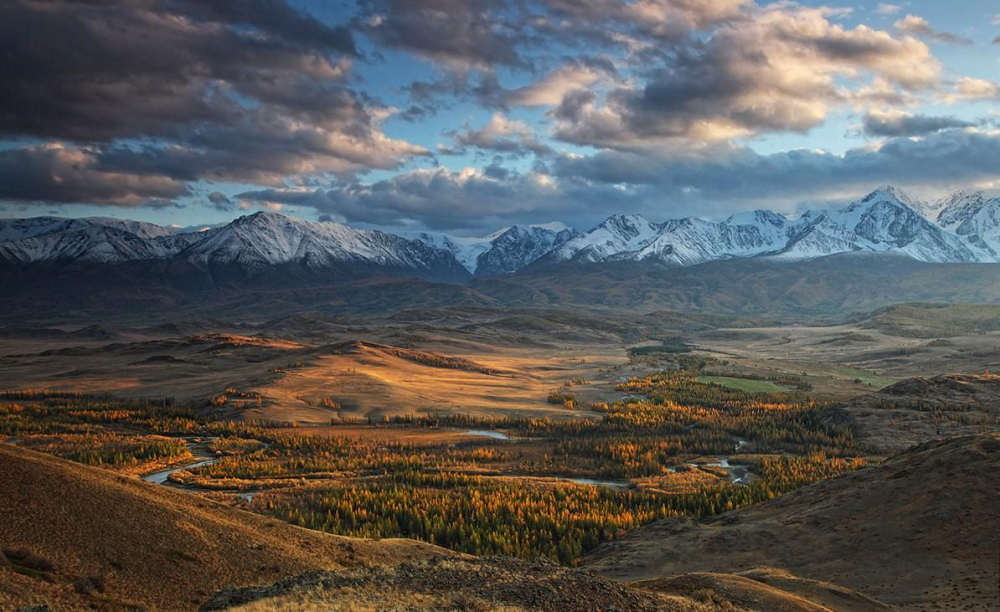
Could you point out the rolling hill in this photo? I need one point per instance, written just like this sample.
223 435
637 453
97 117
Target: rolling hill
76 538
919 532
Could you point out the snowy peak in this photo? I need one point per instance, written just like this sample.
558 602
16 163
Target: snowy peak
974 218
519 246
85 240
885 216
502 252
615 235
758 218
19 229
885 220
692 240
268 239
886 195
464 249
959 206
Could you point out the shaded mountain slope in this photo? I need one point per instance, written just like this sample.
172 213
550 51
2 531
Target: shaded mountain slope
920 532
828 286
836 284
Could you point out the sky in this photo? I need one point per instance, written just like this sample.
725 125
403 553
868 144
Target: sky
465 116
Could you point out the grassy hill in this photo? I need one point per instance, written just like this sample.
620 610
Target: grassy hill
78 538
934 320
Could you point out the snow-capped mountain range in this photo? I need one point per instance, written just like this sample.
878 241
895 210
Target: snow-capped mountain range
965 227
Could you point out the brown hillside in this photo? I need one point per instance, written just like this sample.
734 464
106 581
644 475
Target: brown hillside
124 542
920 531
918 410
758 590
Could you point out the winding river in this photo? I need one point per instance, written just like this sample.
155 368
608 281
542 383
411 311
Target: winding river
202 457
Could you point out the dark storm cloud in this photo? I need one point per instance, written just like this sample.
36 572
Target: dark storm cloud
98 70
903 124
244 91
138 102
274 17
52 173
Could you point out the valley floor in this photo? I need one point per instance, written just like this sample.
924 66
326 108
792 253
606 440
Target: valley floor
531 435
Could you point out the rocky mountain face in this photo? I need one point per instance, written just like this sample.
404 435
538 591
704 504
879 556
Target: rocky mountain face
963 228
975 219
616 235
884 221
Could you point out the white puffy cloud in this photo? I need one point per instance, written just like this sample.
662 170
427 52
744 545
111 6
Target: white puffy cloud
780 70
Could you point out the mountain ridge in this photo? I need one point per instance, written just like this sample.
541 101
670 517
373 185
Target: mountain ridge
962 228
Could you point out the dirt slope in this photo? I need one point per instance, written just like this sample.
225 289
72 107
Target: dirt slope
920 532
510 585
127 542
756 590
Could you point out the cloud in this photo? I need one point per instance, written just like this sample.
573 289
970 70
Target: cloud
884 8
459 34
779 71
92 72
583 190
500 135
435 198
973 89
179 90
739 177
918 26
554 86
898 123
624 24
57 173
219 201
